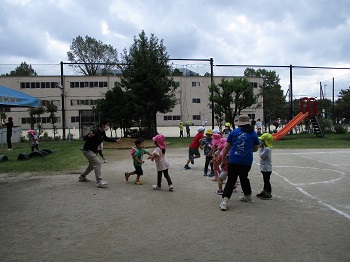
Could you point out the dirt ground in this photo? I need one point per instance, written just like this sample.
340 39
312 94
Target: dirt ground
53 217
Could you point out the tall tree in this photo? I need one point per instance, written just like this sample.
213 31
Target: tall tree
274 103
145 74
97 57
23 70
342 106
33 112
52 110
237 92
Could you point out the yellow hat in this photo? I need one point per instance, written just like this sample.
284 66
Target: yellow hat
227 124
268 138
209 132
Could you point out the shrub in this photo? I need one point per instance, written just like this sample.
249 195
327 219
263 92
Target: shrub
339 129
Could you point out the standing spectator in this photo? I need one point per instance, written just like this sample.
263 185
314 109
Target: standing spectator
193 151
9 126
242 141
181 127
92 140
258 126
188 128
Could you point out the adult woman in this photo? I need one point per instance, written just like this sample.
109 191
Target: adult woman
242 141
9 126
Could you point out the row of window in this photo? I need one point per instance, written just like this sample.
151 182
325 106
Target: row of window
83 102
88 84
43 120
84 119
38 85
177 118
47 102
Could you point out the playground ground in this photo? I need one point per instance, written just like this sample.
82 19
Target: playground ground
52 217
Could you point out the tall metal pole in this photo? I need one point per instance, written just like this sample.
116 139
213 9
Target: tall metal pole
212 92
333 116
291 94
62 104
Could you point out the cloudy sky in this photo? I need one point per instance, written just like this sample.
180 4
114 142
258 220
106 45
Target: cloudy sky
232 32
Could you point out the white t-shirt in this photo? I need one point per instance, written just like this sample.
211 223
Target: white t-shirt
161 161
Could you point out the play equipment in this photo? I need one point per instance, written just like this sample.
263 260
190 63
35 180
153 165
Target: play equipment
308 108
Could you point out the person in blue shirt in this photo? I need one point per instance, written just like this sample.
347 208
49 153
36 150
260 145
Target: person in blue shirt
241 142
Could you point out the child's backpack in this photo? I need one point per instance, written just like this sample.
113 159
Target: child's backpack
132 152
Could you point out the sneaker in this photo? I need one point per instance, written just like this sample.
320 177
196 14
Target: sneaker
101 183
219 192
105 161
260 194
155 187
205 174
192 160
171 187
138 182
246 198
211 175
83 179
266 196
223 206
127 176
186 167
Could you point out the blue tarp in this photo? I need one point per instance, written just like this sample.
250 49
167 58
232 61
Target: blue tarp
13 98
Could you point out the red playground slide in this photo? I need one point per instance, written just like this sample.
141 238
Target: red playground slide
288 127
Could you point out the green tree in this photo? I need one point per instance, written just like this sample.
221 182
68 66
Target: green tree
274 103
237 92
342 105
176 72
145 74
52 110
23 70
34 114
94 56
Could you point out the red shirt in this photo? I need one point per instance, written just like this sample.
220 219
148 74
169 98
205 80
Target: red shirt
195 141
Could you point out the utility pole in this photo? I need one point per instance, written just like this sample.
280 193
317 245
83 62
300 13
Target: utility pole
291 94
62 105
212 92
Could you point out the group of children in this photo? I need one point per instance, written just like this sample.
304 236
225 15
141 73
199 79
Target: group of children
158 156
213 144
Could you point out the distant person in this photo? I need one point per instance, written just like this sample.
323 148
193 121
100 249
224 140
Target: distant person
253 122
92 140
193 151
181 127
34 140
188 128
258 126
137 156
9 126
227 130
241 142
162 164
207 145
265 154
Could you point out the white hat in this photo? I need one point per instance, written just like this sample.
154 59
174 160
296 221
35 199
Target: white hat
243 120
216 131
201 128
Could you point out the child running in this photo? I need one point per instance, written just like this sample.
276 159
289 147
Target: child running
34 140
207 144
193 151
224 167
162 164
266 164
215 153
137 156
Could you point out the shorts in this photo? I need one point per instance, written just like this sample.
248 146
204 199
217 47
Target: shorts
223 175
138 170
193 151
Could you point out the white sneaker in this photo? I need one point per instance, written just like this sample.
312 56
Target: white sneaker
155 187
102 183
223 206
246 198
105 161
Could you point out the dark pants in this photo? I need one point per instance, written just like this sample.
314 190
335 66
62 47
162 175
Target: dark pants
166 175
36 147
234 171
267 184
9 144
206 165
100 153
181 133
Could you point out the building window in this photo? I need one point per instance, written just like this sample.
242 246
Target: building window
176 117
175 84
194 84
254 84
74 119
74 102
196 100
166 118
196 117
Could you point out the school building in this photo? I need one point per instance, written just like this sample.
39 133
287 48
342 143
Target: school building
79 94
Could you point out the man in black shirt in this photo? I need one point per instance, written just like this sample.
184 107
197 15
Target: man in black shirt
92 140
9 126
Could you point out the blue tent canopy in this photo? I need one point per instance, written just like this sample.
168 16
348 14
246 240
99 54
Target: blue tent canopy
13 98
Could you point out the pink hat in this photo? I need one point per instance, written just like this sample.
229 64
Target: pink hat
31 131
216 139
160 141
